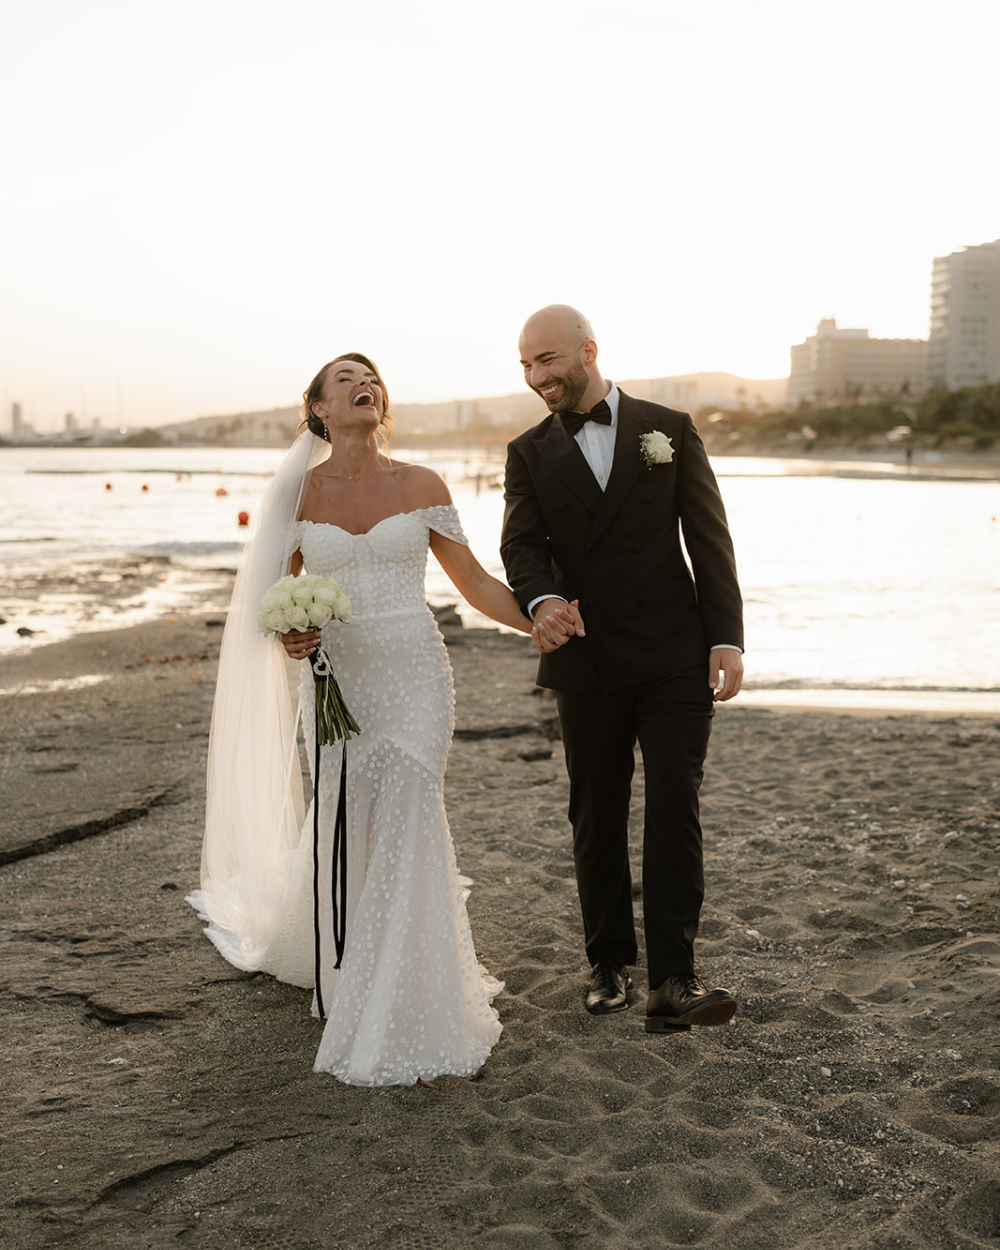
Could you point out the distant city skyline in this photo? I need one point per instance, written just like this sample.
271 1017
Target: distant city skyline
200 204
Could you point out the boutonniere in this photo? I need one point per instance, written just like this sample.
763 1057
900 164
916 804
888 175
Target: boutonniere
656 448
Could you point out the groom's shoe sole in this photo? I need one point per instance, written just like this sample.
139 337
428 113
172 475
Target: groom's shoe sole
710 1014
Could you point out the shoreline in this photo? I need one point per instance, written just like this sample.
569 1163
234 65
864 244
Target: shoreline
130 591
27 664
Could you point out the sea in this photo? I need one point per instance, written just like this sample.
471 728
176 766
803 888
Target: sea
865 586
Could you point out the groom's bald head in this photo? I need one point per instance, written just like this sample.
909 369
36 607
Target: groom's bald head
562 319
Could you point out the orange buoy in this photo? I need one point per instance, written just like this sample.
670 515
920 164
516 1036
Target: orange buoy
107 485
221 491
144 486
244 518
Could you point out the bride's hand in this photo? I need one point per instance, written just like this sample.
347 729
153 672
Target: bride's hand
299 644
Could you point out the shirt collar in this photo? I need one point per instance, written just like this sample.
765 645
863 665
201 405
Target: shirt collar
612 399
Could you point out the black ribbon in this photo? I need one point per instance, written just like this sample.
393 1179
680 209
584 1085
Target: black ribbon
338 873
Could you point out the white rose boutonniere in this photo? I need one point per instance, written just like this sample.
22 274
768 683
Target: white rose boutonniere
656 448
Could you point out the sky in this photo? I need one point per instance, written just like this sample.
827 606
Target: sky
202 201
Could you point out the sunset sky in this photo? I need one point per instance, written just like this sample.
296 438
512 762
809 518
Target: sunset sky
201 201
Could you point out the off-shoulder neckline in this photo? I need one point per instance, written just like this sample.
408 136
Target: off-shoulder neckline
447 507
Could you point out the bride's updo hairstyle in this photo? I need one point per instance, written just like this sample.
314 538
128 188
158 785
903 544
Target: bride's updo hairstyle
314 392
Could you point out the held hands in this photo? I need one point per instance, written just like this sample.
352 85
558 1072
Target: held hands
299 644
556 622
725 672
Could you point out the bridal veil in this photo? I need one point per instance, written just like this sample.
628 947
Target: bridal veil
254 806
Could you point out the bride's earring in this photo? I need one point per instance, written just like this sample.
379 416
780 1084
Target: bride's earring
317 426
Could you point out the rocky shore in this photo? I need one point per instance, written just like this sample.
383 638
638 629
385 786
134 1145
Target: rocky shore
153 1096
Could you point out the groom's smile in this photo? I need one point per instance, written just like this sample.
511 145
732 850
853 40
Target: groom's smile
561 385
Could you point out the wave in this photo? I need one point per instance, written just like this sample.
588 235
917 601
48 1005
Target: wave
192 553
763 682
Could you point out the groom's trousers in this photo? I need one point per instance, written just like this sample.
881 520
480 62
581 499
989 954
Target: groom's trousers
671 719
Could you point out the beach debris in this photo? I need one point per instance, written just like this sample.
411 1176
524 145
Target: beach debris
826 1071
24 632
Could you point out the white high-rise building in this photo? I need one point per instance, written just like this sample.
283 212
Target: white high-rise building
838 363
964 344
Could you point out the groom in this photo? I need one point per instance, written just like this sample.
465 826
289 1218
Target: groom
597 496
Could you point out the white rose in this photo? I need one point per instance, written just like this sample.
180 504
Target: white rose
273 621
320 614
302 594
297 617
326 594
656 448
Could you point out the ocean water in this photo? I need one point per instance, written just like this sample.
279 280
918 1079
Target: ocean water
851 584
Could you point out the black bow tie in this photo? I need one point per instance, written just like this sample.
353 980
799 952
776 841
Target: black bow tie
573 421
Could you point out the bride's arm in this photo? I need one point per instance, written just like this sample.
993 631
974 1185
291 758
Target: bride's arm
491 597
477 587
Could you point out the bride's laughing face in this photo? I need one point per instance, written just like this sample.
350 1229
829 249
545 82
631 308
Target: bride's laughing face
351 395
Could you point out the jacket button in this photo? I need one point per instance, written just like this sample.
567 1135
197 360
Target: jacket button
640 598
637 549
561 507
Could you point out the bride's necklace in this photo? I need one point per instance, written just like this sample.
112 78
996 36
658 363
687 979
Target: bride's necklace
357 477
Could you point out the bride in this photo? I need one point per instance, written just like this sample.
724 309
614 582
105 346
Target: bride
409 1000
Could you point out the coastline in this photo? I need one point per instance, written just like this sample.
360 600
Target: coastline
851 903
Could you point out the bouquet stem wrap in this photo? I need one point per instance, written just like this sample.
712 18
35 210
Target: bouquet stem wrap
333 717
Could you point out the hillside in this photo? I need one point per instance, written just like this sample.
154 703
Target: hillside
496 416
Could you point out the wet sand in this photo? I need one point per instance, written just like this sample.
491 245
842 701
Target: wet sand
154 1096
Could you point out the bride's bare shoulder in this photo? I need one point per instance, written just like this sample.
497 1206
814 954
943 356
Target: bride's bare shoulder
422 486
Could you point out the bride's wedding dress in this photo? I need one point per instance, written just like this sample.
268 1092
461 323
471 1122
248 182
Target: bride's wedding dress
410 1000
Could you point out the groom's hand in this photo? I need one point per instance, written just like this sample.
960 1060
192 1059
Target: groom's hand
556 622
730 662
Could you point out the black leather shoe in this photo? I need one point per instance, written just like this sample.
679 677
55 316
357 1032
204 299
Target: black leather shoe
682 1001
606 990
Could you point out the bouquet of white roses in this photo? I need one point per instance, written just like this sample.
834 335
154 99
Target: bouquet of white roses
304 603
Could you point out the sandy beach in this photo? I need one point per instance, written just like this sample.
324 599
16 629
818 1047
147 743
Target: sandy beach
153 1096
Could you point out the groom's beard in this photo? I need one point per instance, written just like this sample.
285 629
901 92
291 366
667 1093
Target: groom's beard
574 383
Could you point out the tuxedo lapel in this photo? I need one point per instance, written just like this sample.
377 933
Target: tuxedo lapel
563 456
624 469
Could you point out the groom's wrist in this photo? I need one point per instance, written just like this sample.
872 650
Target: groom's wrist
541 599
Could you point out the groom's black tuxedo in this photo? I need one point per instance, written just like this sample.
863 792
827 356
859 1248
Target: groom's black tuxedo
641 671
